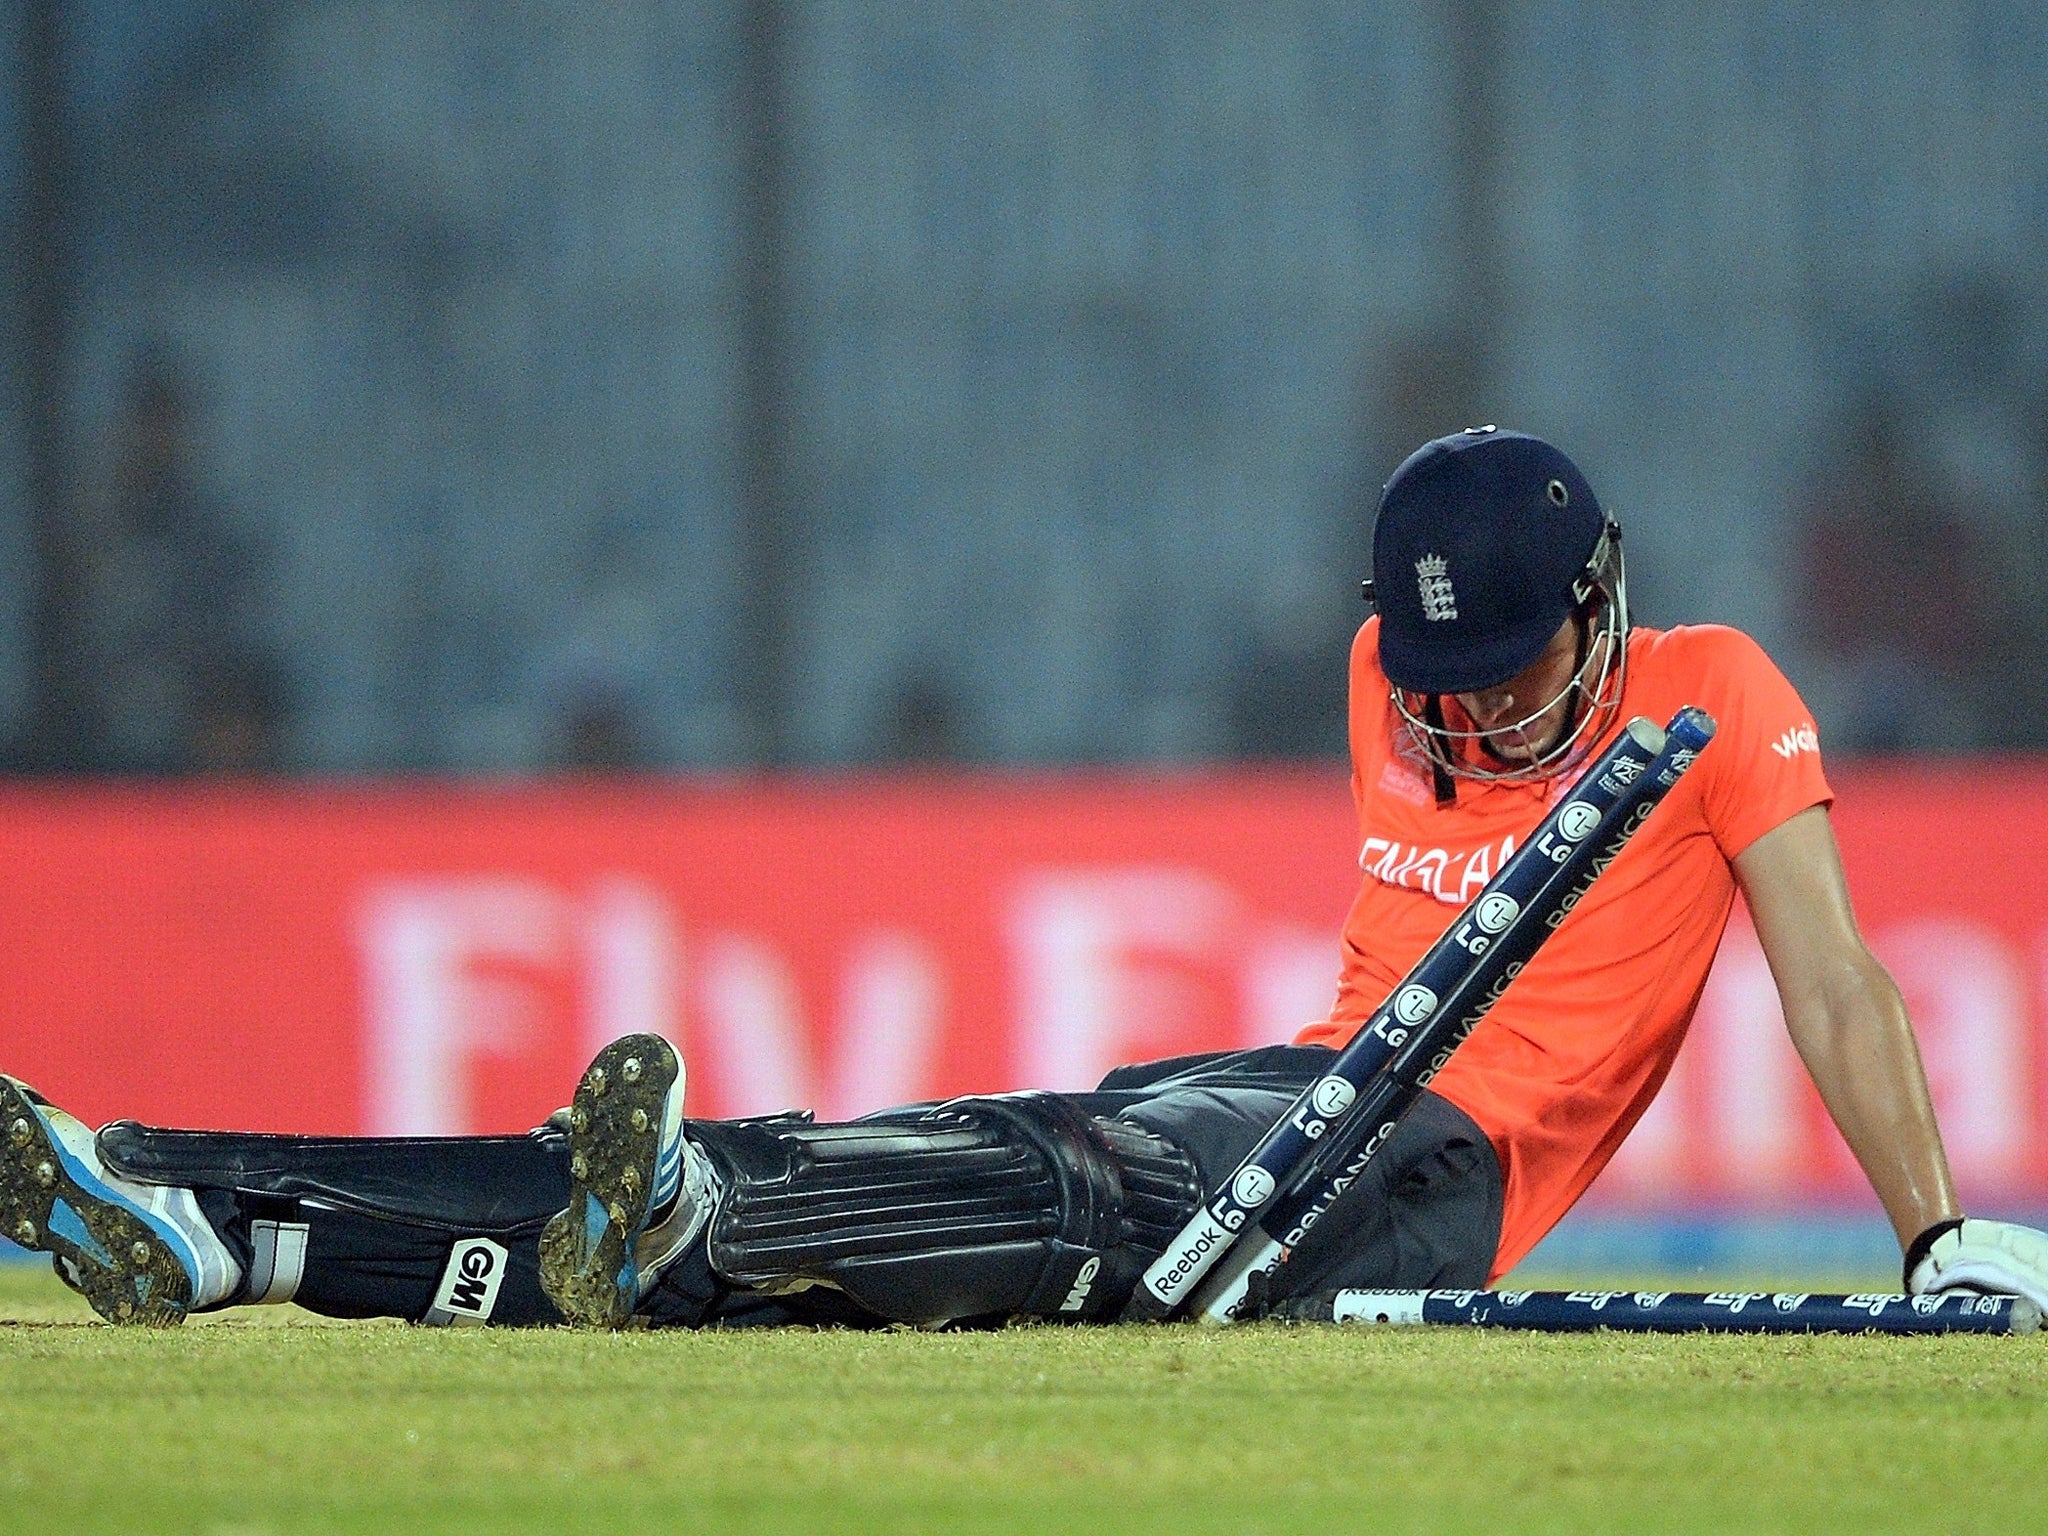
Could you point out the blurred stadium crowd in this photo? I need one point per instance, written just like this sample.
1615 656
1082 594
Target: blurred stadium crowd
432 385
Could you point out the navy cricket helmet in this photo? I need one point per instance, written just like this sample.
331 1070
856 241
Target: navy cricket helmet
1485 543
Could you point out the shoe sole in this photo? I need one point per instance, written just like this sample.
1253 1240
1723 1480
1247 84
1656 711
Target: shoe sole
122 1264
587 1265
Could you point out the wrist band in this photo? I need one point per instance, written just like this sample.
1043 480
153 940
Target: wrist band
1920 1246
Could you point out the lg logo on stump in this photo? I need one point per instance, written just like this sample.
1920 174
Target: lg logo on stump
1496 911
1413 1004
1576 820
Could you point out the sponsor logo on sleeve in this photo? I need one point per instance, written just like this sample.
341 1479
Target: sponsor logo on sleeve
1800 738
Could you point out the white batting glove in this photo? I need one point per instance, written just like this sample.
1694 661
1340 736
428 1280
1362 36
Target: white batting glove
1992 1257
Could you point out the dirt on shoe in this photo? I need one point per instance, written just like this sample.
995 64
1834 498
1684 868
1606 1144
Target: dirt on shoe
109 1255
587 1262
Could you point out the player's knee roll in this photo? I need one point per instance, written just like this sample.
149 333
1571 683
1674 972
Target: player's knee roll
1009 1205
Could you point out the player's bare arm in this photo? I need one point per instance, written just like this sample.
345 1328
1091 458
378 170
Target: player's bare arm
1847 1019
1849 1024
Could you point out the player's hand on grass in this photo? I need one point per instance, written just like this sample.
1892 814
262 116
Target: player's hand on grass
1991 1257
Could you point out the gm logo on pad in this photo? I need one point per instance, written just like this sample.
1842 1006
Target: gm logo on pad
469 1285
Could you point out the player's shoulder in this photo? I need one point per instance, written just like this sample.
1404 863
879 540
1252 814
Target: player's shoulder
1728 674
1365 648
1711 657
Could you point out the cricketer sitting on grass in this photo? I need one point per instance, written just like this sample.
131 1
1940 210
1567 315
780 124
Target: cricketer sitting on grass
1501 659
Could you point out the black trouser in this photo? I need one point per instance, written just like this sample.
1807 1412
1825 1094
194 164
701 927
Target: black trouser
388 1226
1426 1213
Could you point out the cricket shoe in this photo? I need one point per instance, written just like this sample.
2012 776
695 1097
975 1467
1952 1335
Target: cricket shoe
639 1191
140 1253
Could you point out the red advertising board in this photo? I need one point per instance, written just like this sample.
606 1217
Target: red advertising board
441 959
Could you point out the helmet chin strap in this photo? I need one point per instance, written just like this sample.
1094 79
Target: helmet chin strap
1440 778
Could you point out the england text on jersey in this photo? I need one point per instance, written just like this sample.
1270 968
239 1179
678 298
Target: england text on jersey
1452 875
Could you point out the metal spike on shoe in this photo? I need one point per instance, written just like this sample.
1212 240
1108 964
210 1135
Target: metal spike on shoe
51 1202
587 1252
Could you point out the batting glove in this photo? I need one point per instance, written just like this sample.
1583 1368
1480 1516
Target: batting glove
1990 1257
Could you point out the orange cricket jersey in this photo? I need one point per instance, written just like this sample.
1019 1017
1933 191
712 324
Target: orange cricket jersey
1570 1057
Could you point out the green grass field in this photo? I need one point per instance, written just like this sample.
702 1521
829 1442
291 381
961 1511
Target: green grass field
277 1421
